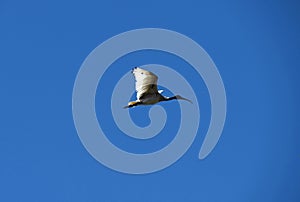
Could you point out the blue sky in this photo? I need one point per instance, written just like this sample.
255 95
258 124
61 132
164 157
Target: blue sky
256 49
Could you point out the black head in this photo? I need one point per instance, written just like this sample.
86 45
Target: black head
178 97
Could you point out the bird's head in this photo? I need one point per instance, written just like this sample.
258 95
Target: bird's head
178 97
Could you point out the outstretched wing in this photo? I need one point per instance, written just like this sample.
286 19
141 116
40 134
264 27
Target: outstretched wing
145 82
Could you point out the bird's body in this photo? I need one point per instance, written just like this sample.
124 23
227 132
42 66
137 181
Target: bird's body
146 88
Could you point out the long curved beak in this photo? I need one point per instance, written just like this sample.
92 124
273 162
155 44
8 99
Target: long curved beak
182 98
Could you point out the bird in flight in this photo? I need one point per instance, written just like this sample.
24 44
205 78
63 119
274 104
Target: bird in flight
146 88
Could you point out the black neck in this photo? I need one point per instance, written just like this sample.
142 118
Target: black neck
172 98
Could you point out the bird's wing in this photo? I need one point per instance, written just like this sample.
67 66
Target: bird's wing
145 82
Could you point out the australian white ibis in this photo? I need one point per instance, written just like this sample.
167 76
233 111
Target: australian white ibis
146 88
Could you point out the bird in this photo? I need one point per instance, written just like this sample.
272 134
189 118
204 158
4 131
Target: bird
146 89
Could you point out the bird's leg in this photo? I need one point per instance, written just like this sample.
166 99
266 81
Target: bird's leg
132 104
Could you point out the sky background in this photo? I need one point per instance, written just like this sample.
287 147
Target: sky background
256 49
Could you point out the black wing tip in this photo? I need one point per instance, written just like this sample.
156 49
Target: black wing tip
134 69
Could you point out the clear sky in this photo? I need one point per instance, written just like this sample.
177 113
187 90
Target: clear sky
256 49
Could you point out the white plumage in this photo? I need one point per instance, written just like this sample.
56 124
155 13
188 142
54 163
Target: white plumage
145 82
146 89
